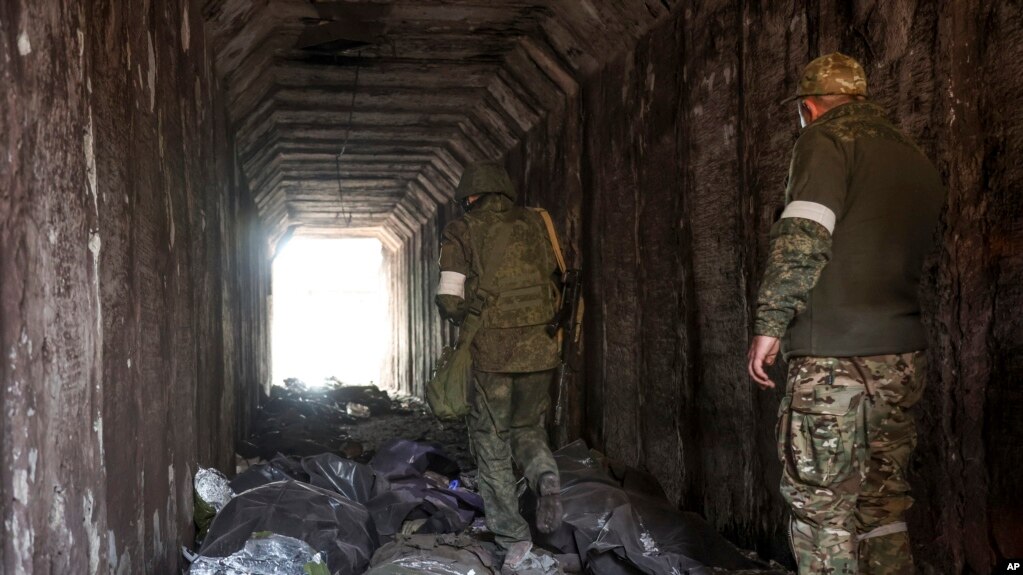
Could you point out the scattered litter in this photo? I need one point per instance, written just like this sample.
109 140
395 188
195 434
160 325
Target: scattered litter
478 528
242 464
264 554
300 420
529 560
409 403
213 487
538 563
439 480
358 410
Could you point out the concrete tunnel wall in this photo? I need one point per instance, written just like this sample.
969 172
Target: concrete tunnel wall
134 282
664 167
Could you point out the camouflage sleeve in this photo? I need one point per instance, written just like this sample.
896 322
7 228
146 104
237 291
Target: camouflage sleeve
455 267
800 248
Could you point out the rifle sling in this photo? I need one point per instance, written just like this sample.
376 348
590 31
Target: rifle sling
546 216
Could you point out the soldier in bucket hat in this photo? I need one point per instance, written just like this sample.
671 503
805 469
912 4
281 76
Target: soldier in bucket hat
839 299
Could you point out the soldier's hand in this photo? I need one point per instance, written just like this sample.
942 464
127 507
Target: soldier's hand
762 351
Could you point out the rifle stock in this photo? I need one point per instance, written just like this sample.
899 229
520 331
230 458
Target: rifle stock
567 321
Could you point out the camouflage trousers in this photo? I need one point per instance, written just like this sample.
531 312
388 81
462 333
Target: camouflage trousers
845 436
506 429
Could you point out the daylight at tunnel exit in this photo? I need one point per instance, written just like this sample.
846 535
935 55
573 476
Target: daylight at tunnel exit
511 287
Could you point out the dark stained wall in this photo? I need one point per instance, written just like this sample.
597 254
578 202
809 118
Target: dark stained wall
132 284
411 267
666 168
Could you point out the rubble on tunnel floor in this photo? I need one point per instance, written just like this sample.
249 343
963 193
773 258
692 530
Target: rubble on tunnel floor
318 490
301 420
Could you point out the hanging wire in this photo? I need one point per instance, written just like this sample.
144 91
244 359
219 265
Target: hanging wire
345 211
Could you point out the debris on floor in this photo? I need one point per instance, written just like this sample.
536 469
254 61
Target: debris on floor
406 502
536 562
358 410
350 421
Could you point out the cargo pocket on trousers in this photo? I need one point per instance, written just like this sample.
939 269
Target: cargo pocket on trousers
827 433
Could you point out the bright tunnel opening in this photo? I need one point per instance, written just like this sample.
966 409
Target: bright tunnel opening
330 311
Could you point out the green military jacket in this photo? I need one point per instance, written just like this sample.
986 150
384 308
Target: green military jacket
523 292
843 272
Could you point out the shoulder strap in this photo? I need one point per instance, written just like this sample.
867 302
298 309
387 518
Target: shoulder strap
554 238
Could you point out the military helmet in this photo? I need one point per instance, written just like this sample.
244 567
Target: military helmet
832 74
485 178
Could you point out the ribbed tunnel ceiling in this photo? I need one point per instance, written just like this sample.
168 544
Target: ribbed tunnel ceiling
440 83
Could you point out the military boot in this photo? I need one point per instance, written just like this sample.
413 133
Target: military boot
549 510
516 557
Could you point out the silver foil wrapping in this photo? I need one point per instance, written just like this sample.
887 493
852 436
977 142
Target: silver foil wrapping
213 487
271 555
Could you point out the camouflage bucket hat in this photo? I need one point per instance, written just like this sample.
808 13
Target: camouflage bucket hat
485 178
832 74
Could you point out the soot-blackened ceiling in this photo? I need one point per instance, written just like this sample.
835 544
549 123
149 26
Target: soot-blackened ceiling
436 84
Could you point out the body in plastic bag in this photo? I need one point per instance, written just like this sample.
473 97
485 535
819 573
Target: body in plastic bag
412 470
433 555
402 458
280 468
354 480
616 531
264 554
338 528
411 497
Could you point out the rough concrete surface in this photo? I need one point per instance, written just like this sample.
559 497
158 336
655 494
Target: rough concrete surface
133 283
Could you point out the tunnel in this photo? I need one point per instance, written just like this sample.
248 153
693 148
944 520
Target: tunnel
158 159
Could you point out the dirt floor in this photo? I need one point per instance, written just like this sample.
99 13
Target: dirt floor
418 425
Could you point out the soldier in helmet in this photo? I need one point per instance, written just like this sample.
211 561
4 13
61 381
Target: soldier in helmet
839 296
497 261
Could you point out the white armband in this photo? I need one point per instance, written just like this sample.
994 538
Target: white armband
811 211
451 283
